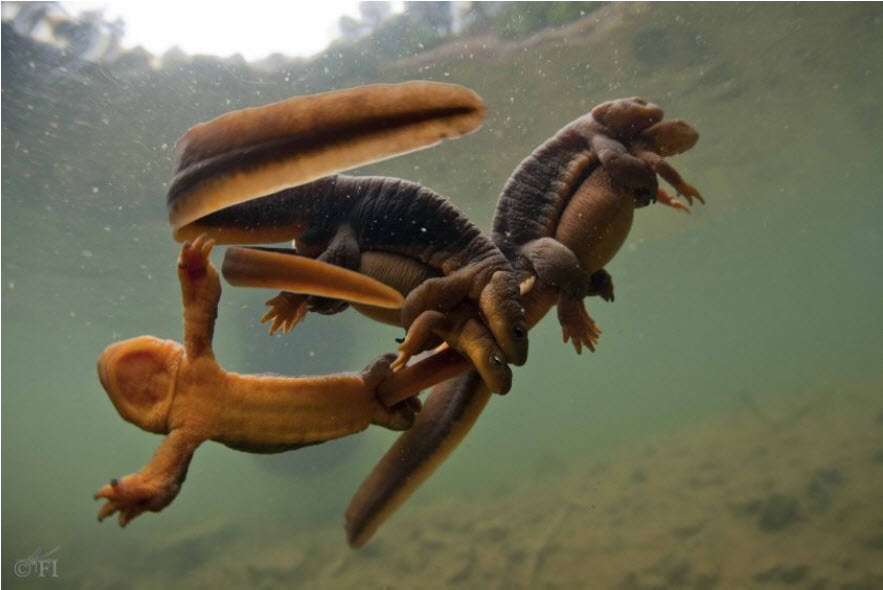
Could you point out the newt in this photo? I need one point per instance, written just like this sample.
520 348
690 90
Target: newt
559 221
561 217
226 168
461 327
254 152
182 392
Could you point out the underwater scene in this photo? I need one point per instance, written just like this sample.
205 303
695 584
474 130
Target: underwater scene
725 433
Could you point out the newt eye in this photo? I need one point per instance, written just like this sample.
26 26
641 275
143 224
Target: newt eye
496 361
519 332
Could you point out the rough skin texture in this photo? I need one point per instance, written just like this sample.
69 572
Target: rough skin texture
338 218
567 208
560 218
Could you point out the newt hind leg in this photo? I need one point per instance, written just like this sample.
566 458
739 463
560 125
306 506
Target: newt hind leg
419 336
576 324
343 251
439 294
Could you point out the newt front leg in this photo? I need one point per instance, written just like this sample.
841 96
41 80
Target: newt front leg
465 333
668 138
156 485
200 294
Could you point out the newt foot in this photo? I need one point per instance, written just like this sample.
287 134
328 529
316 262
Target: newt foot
402 359
601 284
663 198
577 326
378 370
689 192
286 311
419 335
399 416
133 494
194 257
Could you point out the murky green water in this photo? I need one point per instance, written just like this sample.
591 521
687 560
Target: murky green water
728 324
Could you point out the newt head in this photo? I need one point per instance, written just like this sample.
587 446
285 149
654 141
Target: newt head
669 138
139 376
500 302
626 117
487 358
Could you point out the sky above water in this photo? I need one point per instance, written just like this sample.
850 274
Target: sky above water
254 29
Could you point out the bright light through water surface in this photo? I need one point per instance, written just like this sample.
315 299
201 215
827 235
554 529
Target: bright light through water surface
253 29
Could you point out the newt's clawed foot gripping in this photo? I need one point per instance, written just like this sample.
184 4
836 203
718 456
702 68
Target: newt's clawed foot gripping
395 251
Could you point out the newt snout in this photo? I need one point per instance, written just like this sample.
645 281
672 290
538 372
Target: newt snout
501 303
626 117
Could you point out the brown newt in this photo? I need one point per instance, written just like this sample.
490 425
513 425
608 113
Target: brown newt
182 392
460 327
583 219
222 182
573 216
250 153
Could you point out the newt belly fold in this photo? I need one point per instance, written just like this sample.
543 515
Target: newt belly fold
398 253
